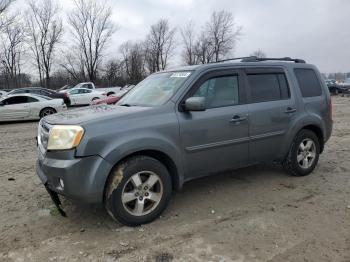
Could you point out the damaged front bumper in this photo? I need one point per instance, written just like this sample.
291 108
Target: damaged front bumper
79 179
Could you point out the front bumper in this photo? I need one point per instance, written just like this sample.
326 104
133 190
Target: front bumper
83 178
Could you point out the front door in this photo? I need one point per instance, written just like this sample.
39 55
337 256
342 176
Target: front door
14 108
217 138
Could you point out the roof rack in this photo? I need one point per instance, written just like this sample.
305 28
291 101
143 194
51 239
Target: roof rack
257 59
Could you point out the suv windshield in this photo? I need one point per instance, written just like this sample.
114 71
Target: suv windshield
155 90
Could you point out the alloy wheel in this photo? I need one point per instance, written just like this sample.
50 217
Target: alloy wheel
306 154
142 193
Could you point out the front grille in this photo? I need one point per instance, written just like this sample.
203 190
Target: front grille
43 135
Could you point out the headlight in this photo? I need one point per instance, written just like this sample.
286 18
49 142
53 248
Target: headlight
64 137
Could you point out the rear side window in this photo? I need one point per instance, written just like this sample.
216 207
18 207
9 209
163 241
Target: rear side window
31 99
268 87
308 82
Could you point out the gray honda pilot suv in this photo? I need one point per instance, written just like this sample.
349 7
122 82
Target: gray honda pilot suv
182 124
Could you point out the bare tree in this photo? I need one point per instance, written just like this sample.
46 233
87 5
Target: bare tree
12 49
44 33
91 28
4 5
134 61
189 54
222 33
74 65
114 73
203 49
160 45
259 54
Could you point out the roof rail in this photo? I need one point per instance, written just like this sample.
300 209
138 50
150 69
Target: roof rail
257 59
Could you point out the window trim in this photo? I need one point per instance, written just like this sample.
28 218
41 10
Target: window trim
212 74
266 71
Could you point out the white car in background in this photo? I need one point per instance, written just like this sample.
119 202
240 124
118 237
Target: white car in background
84 96
90 85
2 93
28 107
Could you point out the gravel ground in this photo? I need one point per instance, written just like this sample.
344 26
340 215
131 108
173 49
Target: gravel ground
252 214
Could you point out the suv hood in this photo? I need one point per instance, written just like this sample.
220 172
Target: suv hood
92 113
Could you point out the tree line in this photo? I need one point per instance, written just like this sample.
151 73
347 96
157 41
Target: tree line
77 52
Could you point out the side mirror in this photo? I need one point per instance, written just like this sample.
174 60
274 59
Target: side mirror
195 104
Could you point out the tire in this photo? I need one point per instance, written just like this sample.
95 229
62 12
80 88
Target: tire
308 158
47 111
131 205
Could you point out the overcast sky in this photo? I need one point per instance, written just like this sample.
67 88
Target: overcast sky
315 30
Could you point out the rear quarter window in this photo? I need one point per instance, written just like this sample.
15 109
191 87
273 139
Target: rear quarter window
308 82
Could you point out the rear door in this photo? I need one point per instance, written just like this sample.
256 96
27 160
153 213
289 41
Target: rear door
217 138
272 109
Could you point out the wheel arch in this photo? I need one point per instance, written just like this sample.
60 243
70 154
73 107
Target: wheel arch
318 132
162 157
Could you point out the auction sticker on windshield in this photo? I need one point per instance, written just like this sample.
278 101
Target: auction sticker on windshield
181 74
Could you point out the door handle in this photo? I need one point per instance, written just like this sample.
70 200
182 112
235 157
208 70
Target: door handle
290 110
237 118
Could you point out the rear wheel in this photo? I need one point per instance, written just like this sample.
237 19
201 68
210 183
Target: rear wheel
303 155
138 190
47 111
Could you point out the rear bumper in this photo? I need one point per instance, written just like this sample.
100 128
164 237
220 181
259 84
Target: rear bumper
83 178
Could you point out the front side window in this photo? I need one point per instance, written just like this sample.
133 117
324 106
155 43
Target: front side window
219 91
268 87
155 90
308 82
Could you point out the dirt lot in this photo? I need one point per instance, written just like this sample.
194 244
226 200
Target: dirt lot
253 214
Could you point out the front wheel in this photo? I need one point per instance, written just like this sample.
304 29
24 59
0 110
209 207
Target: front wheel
138 191
303 155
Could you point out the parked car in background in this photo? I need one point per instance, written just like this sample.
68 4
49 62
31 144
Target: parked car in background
90 85
41 91
84 96
182 124
112 99
345 86
2 93
333 86
28 107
